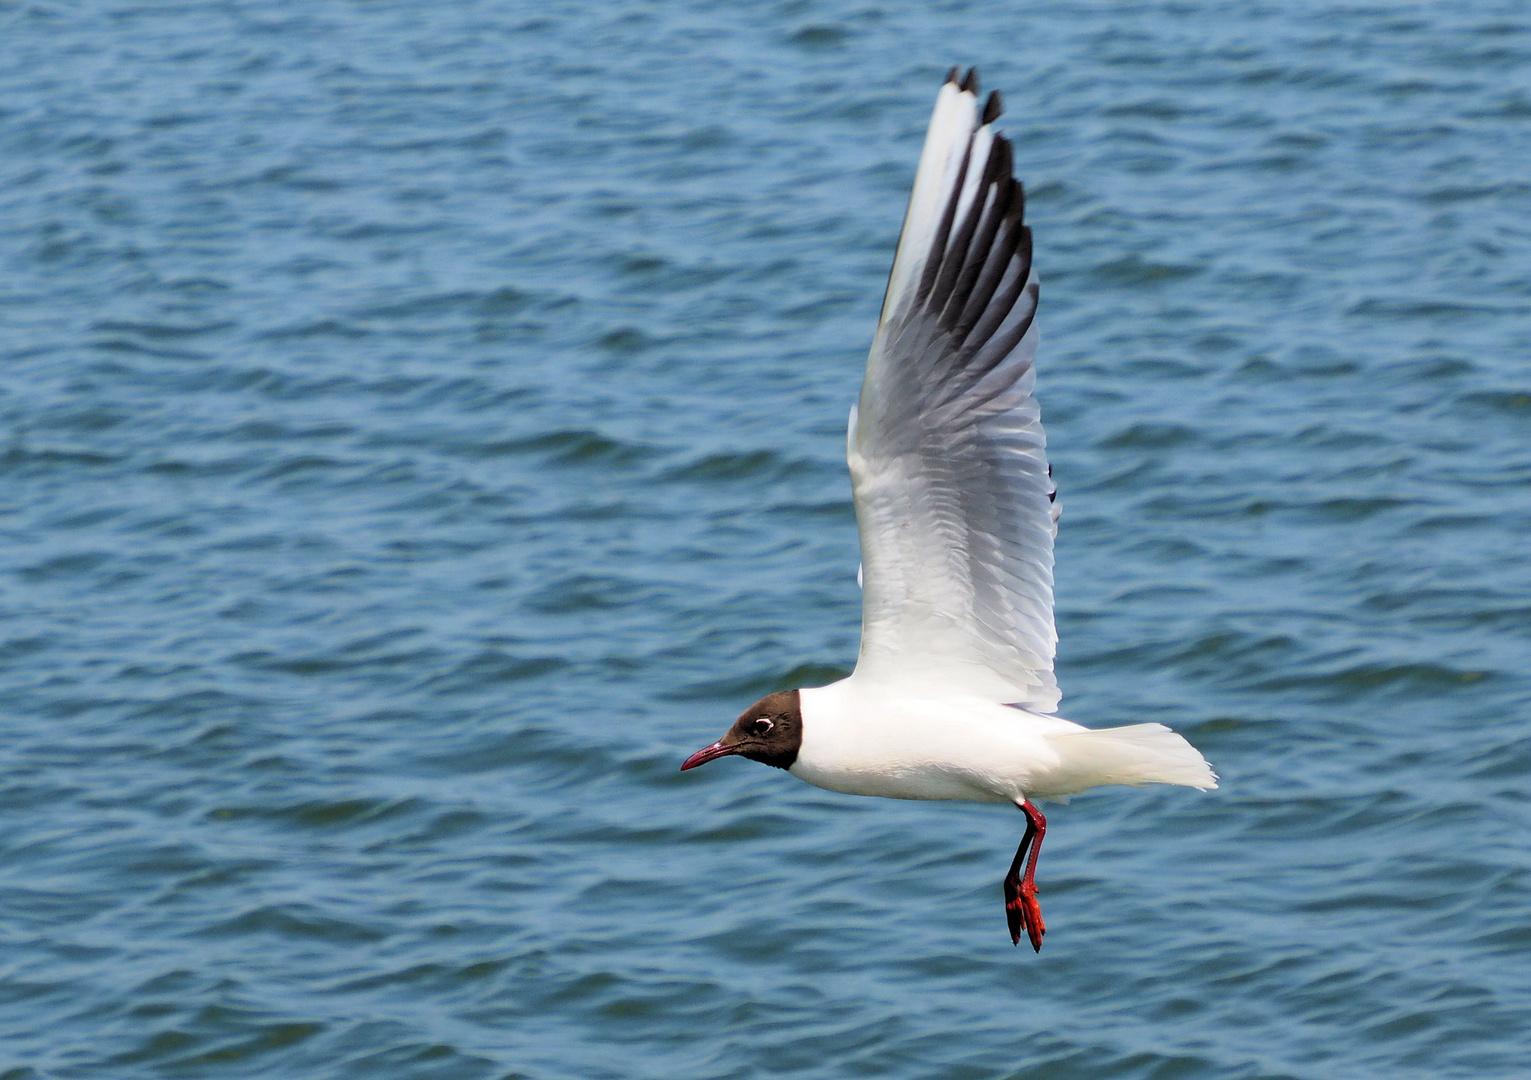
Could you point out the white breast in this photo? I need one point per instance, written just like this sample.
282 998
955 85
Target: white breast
893 742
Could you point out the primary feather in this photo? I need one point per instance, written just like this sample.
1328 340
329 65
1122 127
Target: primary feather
953 493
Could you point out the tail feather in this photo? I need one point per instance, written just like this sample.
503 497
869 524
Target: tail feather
1139 754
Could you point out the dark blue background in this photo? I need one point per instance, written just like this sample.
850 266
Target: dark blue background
421 425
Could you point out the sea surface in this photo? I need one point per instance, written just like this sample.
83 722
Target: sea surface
422 425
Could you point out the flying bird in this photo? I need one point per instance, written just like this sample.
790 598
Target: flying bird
953 695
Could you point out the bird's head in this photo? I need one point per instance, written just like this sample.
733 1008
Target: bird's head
769 731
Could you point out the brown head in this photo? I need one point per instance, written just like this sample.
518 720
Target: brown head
769 731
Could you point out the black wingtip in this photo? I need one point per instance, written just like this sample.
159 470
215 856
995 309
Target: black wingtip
1001 160
1017 209
969 81
993 107
951 76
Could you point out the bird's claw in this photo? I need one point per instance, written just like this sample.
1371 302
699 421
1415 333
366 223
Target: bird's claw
1024 913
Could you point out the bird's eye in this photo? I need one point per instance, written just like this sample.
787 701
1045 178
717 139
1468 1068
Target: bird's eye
761 726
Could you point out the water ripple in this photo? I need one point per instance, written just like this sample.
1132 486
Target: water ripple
422 426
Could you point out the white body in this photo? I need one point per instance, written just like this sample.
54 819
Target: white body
866 738
953 691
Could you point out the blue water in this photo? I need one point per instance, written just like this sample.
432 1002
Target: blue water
422 425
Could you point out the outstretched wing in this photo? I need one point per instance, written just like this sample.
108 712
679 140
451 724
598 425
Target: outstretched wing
954 496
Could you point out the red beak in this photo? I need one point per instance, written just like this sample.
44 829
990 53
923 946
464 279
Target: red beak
706 754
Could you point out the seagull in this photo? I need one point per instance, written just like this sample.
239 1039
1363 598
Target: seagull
953 695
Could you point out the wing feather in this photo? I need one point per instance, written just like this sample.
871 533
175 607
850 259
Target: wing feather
954 496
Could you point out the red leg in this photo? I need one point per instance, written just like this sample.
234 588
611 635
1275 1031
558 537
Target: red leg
1021 908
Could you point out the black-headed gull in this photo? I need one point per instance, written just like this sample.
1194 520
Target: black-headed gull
953 694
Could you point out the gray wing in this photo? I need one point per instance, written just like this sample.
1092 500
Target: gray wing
954 496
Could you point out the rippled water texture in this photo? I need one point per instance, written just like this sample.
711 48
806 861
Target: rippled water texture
422 425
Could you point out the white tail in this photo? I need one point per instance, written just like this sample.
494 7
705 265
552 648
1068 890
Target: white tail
1139 754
